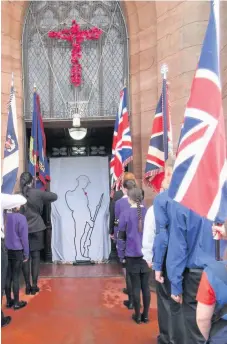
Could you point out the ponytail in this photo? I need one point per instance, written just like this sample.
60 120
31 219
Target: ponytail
139 213
137 195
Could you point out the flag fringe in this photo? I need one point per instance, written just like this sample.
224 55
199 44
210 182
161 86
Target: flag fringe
118 181
150 175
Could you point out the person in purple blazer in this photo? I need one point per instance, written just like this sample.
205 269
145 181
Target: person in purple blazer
120 206
129 247
16 241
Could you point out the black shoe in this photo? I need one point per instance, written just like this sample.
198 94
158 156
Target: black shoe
10 304
28 289
136 319
19 305
6 321
128 304
34 290
125 291
144 319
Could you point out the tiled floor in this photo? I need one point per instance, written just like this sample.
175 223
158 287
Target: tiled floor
78 310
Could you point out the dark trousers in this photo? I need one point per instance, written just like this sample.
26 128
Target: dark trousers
13 279
4 263
170 316
190 288
129 286
34 261
218 333
140 281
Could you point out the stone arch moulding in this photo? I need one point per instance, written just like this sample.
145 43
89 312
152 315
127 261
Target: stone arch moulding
141 22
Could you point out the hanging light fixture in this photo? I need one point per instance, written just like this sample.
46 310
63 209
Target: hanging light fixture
78 133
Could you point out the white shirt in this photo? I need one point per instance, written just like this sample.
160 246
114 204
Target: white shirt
148 235
10 202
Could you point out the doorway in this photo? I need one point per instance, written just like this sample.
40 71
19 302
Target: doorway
59 143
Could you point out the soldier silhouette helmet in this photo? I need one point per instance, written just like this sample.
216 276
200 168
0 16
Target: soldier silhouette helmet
83 181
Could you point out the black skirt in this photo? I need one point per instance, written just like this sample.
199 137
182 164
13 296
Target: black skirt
136 265
36 241
15 254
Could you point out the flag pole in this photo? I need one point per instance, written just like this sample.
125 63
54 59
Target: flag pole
216 5
164 71
34 90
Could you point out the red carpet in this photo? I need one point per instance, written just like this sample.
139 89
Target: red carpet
78 310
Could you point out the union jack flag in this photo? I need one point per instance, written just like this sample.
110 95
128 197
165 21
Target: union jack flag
122 143
160 143
200 171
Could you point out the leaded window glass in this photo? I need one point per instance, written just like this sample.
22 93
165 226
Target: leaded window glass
46 61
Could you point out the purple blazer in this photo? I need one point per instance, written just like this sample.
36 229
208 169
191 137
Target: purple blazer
120 206
16 233
129 241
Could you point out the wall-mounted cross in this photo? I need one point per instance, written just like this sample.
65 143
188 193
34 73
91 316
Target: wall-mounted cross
76 36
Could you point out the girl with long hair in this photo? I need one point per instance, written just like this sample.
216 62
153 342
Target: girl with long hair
36 199
129 246
120 206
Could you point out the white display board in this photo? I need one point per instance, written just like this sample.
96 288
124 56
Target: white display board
80 215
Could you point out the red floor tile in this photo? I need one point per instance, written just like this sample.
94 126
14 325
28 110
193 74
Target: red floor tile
78 311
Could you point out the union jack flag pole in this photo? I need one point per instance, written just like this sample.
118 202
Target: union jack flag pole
199 179
160 147
122 143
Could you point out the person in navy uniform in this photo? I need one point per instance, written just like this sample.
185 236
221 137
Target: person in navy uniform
129 246
211 311
36 199
170 317
191 248
120 206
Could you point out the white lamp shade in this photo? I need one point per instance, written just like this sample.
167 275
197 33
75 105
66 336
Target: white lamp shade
78 133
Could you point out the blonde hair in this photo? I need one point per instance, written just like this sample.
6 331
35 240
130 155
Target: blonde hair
128 176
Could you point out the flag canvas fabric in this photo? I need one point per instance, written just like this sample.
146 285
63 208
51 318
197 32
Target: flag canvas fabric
122 143
38 164
33 149
200 171
160 146
11 149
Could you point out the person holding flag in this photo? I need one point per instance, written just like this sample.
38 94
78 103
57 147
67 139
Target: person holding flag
33 184
198 185
211 313
159 166
121 157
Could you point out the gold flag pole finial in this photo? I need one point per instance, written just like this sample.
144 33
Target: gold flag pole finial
124 82
34 87
164 71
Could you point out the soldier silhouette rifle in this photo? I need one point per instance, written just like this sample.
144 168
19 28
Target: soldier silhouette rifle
78 203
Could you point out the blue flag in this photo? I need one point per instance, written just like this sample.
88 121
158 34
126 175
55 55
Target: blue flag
32 166
38 164
11 149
